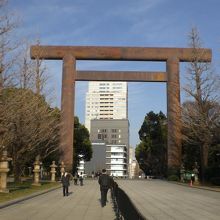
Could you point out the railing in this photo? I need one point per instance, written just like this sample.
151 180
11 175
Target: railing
123 206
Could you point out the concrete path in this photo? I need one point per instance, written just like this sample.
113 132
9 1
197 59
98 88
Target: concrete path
82 204
161 200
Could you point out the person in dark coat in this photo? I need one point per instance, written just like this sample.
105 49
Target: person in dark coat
75 179
105 184
81 179
65 179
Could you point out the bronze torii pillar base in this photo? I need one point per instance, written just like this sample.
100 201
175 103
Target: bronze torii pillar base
172 57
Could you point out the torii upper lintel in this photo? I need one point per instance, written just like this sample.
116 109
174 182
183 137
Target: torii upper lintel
119 53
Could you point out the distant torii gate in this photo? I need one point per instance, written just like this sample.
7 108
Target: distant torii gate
172 57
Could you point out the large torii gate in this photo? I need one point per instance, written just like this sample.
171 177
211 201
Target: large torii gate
172 57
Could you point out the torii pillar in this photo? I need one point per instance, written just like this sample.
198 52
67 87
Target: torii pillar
174 150
67 111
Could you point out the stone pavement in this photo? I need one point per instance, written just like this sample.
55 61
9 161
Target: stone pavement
161 200
82 204
155 199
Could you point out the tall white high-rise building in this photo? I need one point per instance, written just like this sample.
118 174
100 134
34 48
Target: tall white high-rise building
106 100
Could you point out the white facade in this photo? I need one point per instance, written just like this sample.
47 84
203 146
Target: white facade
133 166
133 169
131 154
106 100
116 160
81 167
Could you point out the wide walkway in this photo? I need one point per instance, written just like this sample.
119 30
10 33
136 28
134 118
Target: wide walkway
82 204
155 199
162 200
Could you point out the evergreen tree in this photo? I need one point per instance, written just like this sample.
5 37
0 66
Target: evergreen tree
151 152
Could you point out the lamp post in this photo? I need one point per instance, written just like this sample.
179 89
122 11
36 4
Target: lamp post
53 171
62 168
36 172
3 171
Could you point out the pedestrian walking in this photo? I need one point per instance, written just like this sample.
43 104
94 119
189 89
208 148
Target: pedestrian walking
75 179
105 183
192 178
65 179
81 179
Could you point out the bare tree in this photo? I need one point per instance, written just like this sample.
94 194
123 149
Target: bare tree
200 113
7 25
31 124
8 46
32 127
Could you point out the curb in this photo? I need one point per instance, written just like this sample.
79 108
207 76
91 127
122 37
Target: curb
15 201
196 187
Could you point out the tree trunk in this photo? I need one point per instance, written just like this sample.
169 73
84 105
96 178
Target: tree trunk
204 160
16 170
205 153
202 167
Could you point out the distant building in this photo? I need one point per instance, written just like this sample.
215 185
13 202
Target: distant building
81 167
106 100
98 160
116 160
106 117
111 131
111 157
115 135
134 170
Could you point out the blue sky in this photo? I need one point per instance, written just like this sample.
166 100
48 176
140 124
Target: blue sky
145 23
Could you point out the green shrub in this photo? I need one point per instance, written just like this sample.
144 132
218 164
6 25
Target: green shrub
212 172
215 181
173 171
173 178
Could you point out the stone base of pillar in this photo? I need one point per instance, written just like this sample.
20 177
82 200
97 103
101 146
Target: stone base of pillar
4 191
173 170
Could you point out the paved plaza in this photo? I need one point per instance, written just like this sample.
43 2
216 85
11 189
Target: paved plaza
155 199
83 203
162 200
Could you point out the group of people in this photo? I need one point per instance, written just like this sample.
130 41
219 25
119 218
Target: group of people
105 182
78 177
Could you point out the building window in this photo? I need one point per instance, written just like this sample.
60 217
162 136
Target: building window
99 136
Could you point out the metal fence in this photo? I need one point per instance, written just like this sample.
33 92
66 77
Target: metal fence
123 206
